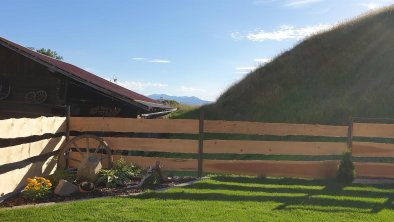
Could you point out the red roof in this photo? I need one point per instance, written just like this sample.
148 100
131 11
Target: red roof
83 74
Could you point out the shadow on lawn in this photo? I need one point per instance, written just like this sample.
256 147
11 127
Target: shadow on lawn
334 190
330 198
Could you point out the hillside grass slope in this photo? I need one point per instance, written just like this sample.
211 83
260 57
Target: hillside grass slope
345 72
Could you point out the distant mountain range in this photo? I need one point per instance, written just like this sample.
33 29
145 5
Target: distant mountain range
188 100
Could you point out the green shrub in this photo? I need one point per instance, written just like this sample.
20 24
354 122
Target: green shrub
62 174
153 178
346 172
119 175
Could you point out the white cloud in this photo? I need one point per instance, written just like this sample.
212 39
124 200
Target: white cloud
370 6
138 59
288 3
300 3
159 61
283 33
136 85
191 89
249 68
244 70
140 86
263 61
375 4
142 59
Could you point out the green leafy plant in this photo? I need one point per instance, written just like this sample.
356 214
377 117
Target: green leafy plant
346 172
119 175
153 179
62 174
37 188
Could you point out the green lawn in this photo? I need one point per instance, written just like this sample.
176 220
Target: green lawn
230 198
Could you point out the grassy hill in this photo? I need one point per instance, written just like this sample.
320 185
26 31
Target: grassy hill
346 71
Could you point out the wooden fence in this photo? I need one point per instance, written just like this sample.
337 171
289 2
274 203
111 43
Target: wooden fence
306 169
26 145
373 149
26 148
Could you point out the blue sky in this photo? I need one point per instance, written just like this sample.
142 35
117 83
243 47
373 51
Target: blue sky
177 47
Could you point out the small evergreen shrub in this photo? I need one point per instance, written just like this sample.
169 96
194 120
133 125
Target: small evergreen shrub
346 172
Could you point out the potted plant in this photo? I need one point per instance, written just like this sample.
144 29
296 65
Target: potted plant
86 186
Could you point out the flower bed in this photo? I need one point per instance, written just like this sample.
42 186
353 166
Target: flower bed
19 199
120 180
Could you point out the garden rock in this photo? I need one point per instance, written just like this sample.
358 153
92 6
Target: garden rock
89 168
65 188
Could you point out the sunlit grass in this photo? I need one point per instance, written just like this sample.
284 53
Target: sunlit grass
230 198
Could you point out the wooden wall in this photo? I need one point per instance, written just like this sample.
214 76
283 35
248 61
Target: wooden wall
27 148
26 75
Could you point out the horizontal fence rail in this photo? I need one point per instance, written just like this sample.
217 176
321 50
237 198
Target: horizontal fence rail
373 130
25 127
303 169
108 124
277 129
375 170
274 147
370 149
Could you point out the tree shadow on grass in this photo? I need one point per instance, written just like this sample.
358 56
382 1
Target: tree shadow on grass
331 198
262 180
287 200
328 190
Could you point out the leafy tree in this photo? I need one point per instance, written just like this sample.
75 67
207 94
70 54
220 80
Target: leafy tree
48 52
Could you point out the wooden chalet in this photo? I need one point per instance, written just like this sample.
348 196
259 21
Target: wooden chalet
32 84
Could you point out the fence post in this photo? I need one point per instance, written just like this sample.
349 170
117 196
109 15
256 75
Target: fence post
201 143
68 113
350 135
